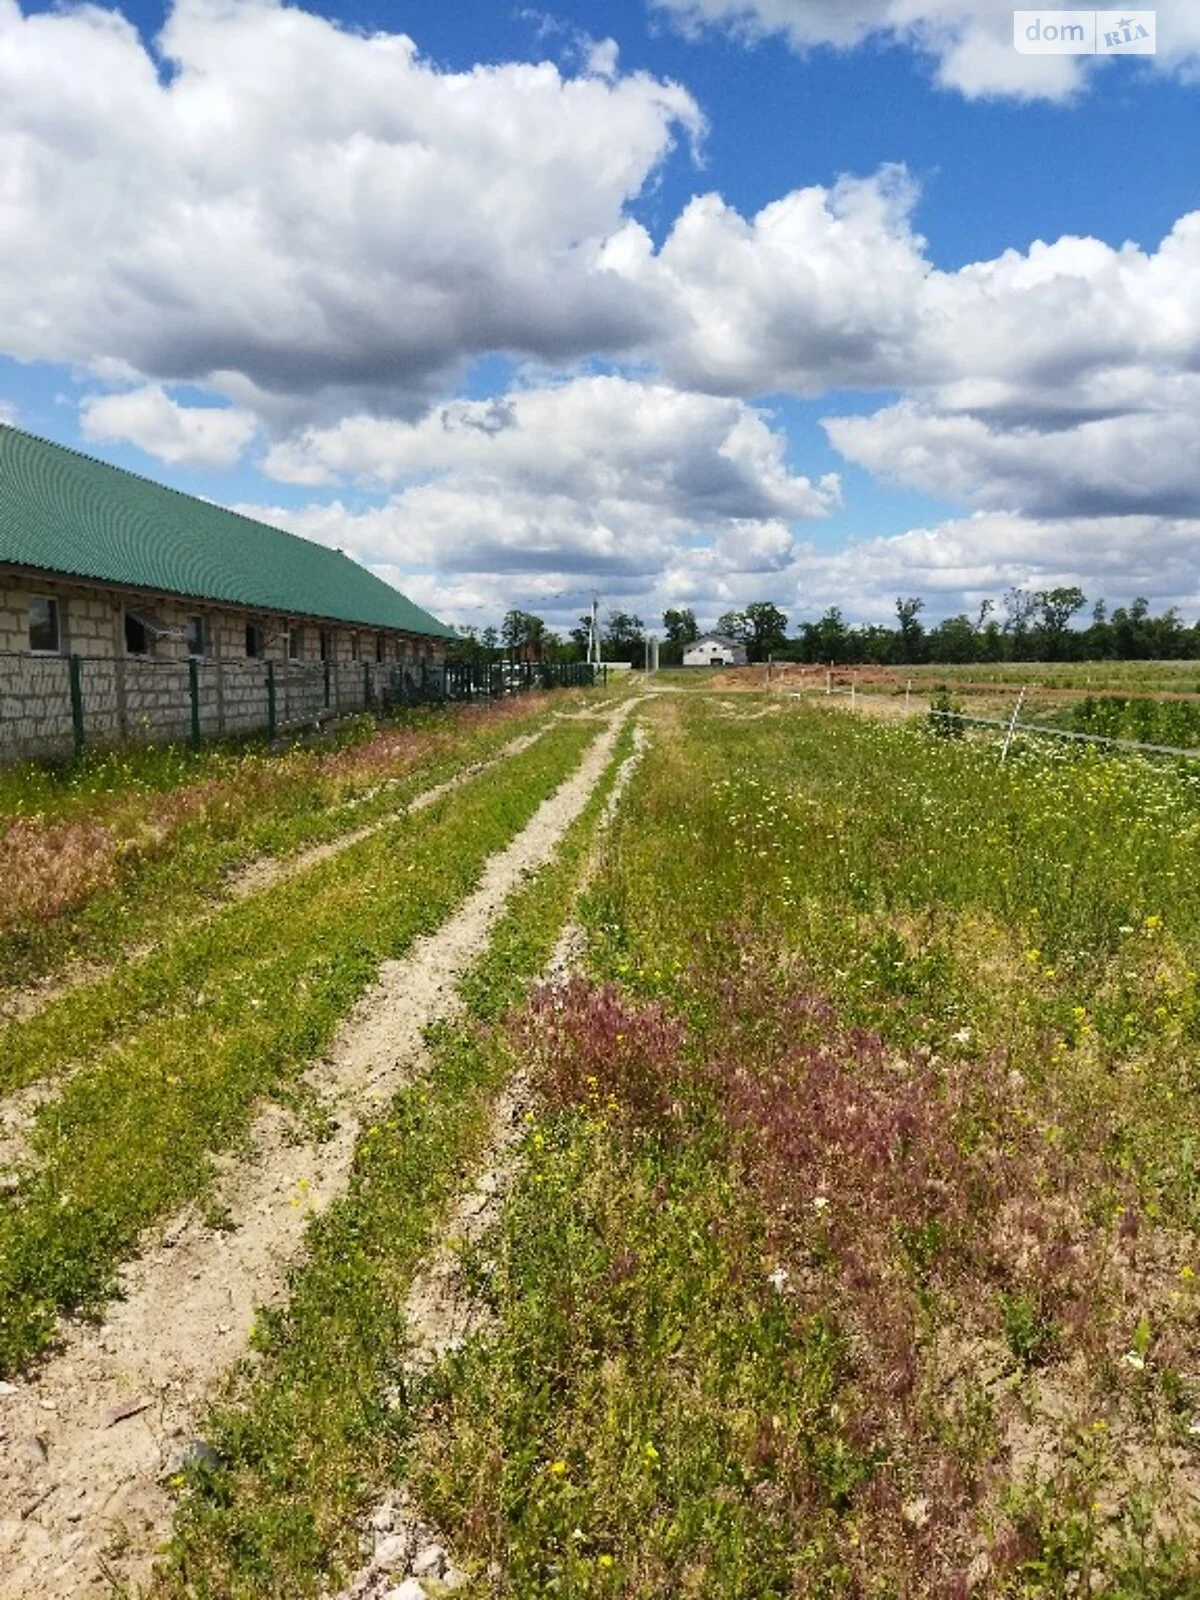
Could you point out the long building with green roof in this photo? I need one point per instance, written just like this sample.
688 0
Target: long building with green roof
68 517
138 587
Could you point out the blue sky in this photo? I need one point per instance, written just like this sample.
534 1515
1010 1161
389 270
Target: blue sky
730 299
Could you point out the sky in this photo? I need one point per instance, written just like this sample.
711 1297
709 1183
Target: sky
679 302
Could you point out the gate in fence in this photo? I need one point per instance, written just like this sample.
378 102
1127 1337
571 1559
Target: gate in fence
59 705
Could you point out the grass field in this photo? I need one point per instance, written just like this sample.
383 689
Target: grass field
852 1240
85 850
856 1249
1093 677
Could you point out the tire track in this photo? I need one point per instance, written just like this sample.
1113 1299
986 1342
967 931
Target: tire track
263 872
85 1445
19 1110
442 1309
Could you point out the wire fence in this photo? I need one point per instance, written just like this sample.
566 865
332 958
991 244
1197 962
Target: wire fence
1011 726
61 705
1109 741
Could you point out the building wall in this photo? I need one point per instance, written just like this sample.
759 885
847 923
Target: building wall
710 652
148 697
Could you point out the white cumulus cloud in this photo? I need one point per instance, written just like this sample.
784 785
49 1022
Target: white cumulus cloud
298 214
596 475
965 560
970 42
323 228
193 436
822 288
1138 463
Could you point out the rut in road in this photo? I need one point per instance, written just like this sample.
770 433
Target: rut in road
443 1309
85 1445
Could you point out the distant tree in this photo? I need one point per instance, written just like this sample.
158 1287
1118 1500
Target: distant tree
767 629
1130 634
736 625
580 636
466 647
1055 609
874 643
954 640
911 634
523 634
1168 637
556 648
490 640
679 628
680 625
830 640
992 644
1020 608
1098 642
624 638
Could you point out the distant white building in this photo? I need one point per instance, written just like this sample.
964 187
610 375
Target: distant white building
714 650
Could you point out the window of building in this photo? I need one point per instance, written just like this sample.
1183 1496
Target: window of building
195 636
295 644
354 647
380 644
326 645
45 625
137 635
254 640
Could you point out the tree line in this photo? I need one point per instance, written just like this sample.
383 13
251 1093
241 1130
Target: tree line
1028 625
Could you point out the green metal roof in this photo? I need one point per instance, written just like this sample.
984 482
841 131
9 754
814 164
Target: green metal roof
64 513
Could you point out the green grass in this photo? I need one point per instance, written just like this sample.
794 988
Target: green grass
197 956
318 1428
921 1035
83 872
1174 723
855 1249
1130 677
62 791
241 1008
652 1417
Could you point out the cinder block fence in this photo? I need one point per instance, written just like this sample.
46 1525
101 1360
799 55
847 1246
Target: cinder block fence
56 706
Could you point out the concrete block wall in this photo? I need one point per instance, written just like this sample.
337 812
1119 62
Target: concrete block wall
300 693
244 692
158 702
146 698
90 620
101 701
35 708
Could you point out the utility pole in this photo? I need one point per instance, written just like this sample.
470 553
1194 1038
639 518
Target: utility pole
594 633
